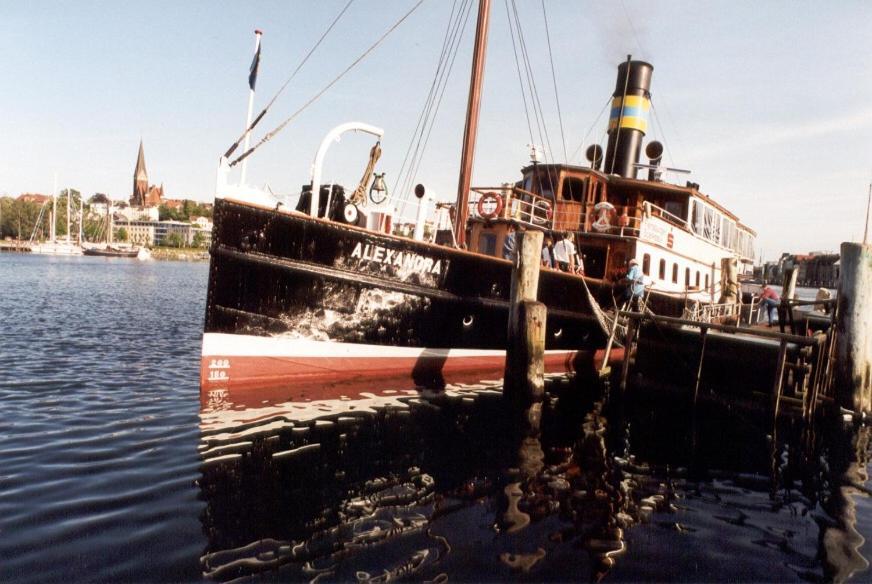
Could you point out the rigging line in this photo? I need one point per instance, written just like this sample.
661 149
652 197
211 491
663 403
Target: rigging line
432 107
632 28
537 114
554 80
592 126
435 98
420 157
518 67
282 88
430 94
318 95
438 103
662 135
537 109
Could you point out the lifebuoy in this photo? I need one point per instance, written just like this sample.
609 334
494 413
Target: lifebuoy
540 208
486 201
605 211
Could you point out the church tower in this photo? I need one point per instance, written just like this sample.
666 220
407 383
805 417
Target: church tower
140 180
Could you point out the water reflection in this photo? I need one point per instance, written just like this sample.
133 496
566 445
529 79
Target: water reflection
439 486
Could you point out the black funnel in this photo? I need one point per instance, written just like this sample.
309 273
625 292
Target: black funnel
629 117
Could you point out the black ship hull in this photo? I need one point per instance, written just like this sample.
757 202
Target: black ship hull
295 300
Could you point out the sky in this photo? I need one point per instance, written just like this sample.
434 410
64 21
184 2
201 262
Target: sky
766 102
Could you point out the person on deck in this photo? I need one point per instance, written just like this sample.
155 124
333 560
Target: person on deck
548 252
769 299
564 253
509 244
635 286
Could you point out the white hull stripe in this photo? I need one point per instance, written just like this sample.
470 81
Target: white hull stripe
229 345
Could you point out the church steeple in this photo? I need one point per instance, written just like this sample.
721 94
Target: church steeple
140 179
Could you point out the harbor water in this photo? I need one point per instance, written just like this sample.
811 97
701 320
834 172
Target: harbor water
112 469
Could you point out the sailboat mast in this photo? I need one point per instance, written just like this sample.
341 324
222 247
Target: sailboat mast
68 214
471 128
54 209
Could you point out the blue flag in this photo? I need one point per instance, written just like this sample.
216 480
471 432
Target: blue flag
252 72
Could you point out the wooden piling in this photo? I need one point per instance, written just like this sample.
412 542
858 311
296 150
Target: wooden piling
524 378
629 348
704 334
779 379
853 364
788 289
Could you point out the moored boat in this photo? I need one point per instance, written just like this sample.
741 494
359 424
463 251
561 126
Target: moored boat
326 293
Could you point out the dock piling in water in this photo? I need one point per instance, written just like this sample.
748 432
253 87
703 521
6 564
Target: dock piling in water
853 363
524 379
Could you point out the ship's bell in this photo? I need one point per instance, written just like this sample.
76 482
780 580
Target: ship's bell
378 192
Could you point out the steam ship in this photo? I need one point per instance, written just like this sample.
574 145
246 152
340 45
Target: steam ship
311 302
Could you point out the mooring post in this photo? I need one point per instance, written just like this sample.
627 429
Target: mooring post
704 334
788 289
524 377
629 347
853 365
779 379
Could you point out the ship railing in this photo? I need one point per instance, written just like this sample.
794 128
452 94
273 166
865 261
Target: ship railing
513 204
651 210
700 312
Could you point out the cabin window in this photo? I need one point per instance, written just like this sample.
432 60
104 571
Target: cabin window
573 189
646 264
697 279
673 208
662 269
487 244
675 273
687 277
697 219
546 184
706 281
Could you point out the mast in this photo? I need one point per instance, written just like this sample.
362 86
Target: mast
68 214
469 131
81 219
54 209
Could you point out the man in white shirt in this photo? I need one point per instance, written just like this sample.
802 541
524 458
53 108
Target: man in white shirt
564 253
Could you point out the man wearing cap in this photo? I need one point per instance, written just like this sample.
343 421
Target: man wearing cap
635 285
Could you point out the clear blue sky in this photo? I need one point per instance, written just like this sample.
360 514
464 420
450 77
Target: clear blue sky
767 102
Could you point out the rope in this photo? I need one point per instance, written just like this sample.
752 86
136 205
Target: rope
282 88
518 67
426 120
318 95
534 92
359 195
592 126
430 94
554 80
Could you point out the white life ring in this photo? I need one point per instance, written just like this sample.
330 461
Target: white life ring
605 212
542 212
489 205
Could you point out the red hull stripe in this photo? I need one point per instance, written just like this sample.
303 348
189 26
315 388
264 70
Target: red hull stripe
248 369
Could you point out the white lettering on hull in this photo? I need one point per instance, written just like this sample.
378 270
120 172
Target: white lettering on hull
409 261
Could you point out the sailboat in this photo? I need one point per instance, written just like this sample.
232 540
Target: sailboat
111 250
54 246
307 303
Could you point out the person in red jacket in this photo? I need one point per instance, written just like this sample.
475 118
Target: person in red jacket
769 299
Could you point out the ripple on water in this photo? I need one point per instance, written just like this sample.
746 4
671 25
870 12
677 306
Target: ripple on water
99 401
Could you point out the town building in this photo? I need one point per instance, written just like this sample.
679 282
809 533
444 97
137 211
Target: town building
34 198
